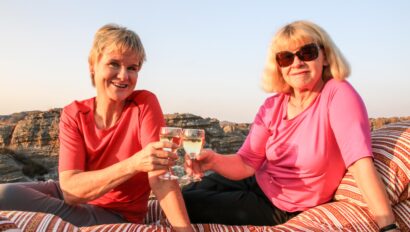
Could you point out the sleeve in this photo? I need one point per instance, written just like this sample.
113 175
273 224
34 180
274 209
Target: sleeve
72 148
350 124
253 150
152 119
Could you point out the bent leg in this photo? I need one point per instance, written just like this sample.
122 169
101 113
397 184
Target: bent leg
218 200
47 197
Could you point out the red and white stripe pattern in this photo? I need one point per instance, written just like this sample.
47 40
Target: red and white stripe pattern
7 225
391 149
31 221
402 214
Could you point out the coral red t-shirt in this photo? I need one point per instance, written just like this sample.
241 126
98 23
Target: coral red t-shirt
85 147
300 162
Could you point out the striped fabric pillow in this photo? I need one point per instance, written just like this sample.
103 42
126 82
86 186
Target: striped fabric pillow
334 216
7 225
391 150
328 217
128 227
402 215
31 221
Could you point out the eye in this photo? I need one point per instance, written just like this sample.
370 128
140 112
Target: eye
113 65
133 68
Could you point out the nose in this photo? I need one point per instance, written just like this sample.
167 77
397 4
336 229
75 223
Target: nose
123 74
297 62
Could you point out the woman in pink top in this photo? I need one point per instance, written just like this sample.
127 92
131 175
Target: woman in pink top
110 157
300 145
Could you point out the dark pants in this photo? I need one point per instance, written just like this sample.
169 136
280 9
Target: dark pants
219 200
47 197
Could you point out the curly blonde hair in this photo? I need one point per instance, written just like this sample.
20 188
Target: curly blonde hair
296 34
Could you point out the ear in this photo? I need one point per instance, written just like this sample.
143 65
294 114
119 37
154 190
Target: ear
91 68
325 62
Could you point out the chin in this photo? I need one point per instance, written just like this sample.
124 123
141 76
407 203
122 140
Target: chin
120 96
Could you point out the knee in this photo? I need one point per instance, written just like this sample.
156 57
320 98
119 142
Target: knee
5 190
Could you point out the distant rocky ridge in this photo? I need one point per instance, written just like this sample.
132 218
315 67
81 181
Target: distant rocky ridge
29 140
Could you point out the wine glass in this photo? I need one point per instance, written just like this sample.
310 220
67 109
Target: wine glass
173 135
192 142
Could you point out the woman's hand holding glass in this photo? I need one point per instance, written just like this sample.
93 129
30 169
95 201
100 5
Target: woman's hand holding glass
171 135
203 162
154 157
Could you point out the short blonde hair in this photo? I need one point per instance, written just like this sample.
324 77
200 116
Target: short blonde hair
296 34
113 37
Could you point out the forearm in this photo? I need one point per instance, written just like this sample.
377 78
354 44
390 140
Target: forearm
231 167
170 198
81 187
373 191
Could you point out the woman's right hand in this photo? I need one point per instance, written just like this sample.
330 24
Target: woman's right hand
202 163
152 157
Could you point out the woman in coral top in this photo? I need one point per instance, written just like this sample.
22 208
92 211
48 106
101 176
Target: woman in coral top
300 145
110 157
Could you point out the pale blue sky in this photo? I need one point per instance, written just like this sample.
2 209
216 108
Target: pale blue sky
204 57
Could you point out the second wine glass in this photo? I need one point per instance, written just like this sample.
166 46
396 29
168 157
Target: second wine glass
192 141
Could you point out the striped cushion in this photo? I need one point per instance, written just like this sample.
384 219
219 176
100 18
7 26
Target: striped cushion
7 225
127 227
402 215
30 221
391 150
335 216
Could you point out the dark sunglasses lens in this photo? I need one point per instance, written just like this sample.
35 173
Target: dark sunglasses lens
308 52
284 58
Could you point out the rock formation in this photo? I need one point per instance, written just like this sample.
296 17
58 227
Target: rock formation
29 140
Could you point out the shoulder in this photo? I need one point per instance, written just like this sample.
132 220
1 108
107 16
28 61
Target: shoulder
333 86
271 108
274 101
139 97
78 107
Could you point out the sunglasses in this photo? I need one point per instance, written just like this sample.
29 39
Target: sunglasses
307 52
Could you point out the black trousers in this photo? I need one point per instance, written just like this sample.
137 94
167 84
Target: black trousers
219 200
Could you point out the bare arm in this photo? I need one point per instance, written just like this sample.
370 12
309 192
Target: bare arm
229 166
82 186
170 198
373 190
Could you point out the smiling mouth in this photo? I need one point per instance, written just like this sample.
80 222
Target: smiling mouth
302 72
121 86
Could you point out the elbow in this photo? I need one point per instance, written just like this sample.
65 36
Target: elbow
72 199
69 199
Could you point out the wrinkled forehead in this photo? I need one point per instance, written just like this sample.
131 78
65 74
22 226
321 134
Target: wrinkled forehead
293 41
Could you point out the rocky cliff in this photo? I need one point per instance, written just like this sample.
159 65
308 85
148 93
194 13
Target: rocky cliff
29 140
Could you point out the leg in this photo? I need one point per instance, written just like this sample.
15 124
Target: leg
47 197
218 200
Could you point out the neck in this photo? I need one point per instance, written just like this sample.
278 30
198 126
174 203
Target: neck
107 113
303 98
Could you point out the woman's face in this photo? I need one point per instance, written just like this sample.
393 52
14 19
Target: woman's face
115 74
304 75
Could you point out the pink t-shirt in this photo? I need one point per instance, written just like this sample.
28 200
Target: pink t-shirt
300 162
85 147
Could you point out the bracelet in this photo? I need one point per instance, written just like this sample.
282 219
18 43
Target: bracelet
388 227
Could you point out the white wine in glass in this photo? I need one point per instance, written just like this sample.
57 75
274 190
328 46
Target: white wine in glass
193 140
173 135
